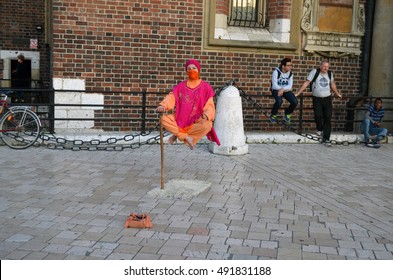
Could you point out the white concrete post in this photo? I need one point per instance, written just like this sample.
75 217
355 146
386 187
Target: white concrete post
229 124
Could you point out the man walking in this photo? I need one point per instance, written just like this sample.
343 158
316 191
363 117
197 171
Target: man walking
282 81
322 86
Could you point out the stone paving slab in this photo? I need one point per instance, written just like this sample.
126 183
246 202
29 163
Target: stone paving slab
179 189
279 201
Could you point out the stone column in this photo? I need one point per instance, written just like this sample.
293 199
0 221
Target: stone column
381 68
229 124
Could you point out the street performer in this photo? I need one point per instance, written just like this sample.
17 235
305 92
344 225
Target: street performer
194 107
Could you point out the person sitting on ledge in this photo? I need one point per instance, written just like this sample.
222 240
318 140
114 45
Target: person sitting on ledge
372 124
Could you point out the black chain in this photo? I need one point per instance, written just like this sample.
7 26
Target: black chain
111 144
250 100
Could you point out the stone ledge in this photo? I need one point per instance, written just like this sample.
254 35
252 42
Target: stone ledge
252 137
293 138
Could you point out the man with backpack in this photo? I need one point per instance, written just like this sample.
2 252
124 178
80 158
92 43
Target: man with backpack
322 85
282 81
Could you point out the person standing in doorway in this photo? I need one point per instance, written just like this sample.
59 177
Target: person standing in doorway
322 85
281 87
20 74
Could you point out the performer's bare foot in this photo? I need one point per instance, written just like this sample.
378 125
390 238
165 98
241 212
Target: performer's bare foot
172 139
189 142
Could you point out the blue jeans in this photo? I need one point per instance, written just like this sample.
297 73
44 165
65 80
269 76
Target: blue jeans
371 129
289 96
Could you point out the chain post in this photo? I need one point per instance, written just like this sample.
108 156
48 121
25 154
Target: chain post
301 113
143 129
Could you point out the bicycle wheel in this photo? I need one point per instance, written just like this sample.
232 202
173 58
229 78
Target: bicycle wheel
20 128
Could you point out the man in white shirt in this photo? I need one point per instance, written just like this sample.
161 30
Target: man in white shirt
322 87
282 81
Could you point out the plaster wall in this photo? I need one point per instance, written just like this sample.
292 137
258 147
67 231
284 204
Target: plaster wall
381 69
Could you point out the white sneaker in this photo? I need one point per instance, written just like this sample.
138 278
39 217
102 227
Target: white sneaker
319 133
328 144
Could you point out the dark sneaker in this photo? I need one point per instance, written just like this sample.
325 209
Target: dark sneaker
327 143
287 119
273 118
376 144
373 145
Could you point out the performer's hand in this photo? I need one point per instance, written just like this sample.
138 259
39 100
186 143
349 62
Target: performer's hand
202 120
160 109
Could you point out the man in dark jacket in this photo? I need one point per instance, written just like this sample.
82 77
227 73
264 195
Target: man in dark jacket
21 76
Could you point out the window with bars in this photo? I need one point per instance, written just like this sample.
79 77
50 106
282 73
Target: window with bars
247 13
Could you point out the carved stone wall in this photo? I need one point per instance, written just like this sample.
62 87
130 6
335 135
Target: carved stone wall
332 44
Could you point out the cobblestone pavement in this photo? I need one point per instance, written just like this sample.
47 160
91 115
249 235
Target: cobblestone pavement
280 201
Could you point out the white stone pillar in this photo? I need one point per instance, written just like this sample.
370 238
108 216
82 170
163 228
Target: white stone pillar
229 124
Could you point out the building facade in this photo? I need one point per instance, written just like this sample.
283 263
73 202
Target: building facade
127 46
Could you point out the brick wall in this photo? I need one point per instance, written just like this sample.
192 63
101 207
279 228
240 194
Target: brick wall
121 45
18 25
135 45
277 9
222 7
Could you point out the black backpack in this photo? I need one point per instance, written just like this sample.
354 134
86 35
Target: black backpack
278 77
316 76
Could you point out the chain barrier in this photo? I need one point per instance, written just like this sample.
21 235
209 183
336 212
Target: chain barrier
111 144
307 135
117 144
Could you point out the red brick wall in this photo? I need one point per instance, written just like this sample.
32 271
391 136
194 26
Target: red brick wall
222 7
125 44
18 22
279 9
135 45
121 45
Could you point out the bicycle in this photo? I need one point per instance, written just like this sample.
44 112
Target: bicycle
19 126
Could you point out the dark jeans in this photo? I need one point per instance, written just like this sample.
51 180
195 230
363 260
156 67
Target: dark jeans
289 96
323 109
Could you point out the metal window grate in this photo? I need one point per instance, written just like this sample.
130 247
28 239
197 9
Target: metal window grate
247 13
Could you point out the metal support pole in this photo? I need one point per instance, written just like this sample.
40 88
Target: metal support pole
162 153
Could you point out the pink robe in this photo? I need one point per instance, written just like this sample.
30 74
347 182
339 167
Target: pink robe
190 104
